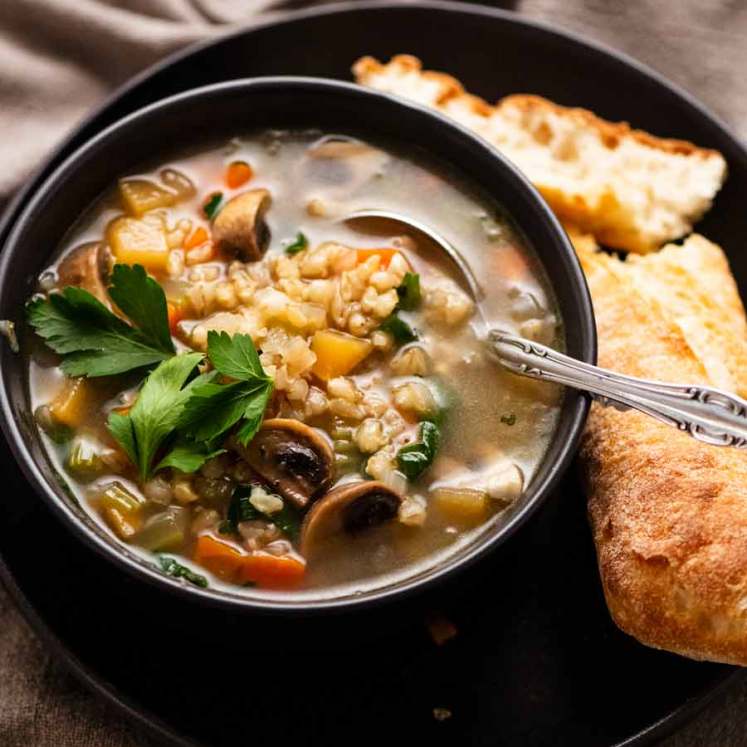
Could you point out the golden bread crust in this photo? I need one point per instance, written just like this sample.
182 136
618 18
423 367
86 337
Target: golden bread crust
629 189
668 514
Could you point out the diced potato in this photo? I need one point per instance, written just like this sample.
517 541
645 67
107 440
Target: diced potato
141 195
337 353
70 405
141 242
461 505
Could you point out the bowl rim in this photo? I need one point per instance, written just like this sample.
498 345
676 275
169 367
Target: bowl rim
147 572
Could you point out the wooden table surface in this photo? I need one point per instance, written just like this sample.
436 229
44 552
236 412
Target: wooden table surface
702 45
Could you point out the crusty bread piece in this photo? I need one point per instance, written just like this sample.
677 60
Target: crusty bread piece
631 190
668 514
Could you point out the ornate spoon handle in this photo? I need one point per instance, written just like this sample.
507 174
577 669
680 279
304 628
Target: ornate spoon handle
707 414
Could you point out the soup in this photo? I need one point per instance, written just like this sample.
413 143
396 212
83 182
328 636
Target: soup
253 392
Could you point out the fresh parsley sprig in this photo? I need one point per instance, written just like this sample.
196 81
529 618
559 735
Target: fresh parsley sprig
95 342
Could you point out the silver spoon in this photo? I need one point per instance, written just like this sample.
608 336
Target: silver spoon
707 414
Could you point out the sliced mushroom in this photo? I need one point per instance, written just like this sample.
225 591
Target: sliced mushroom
240 227
292 458
349 508
86 266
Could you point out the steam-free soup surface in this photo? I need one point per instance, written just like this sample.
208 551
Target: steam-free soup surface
301 402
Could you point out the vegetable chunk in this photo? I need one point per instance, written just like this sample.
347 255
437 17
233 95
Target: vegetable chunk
140 242
337 353
141 195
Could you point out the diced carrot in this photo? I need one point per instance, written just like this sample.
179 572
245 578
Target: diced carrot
385 253
176 314
70 405
238 173
198 237
271 571
218 557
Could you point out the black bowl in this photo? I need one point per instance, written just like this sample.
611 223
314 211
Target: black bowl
223 110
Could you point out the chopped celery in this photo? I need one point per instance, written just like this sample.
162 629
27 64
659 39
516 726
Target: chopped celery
116 496
84 461
164 531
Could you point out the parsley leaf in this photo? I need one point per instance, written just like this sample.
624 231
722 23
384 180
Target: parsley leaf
172 568
235 357
415 458
95 342
399 329
187 456
297 245
144 302
211 204
409 292
213 408
156 412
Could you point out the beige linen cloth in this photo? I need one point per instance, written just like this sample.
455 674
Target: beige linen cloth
59 58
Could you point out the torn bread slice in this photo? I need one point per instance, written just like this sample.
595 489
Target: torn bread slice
631 190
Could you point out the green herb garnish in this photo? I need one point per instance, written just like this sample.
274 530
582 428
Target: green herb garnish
211 205
188 456
287 520
409 292
213 408
509 419
298 245
172 568
157 411
95 342
415 458
399 329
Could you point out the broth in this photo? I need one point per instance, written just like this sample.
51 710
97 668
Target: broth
365 335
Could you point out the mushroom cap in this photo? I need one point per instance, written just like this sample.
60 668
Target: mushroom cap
352 508
240 227
86 266
294 459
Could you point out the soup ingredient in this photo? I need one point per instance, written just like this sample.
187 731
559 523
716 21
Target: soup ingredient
211 205
337 353
95 342
409 292
165 530
238 173
70 405
240 227
416 457
385 254
178 183
415 398
352 507
213 408
173 568
84 460
156 412
121 508
139 241
399 329
294 459
86 266
198 237
141 195
509 418
246 506
231 564
506 484
297 245
464 506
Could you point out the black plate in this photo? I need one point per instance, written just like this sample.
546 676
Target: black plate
537 660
